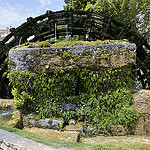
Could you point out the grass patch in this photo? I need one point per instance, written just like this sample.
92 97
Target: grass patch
116 147
69 145
46 141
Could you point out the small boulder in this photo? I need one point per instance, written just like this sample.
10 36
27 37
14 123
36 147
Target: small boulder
29 120
142 101
116 130
56 123
69 106
72 122
77 127
143 126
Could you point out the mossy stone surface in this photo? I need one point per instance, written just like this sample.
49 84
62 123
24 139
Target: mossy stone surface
93 57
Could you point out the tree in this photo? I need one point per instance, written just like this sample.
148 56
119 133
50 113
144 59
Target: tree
78 4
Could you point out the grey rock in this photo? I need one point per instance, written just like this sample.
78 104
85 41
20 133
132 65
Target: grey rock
27 59
29 120
4 146
116 130
44 122
69 106
72 122
51 123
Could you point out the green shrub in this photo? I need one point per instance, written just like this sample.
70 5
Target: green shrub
102 97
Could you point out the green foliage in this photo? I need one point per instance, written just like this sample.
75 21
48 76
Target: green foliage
102 97
120 9
78 4
133 13
105 56
22 100
67 54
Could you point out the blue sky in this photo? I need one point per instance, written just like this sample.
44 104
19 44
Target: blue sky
14 12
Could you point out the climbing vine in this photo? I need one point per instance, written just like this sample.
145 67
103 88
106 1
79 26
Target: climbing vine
101 97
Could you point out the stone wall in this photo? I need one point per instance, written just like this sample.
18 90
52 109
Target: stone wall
142 106
96 57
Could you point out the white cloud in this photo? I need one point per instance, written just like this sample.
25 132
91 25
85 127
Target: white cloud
9 15
45 2
14 16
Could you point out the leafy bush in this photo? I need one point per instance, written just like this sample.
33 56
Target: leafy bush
102 97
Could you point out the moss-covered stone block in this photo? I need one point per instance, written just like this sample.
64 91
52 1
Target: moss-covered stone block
16 120
70 57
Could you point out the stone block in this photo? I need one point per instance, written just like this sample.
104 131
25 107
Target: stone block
142 101
16 120
72 122
78 128
69 106
29 120
95 57
116 130
67 136
5 103
51 123
143 126
6 114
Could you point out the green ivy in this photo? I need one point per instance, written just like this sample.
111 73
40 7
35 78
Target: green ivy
102 97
